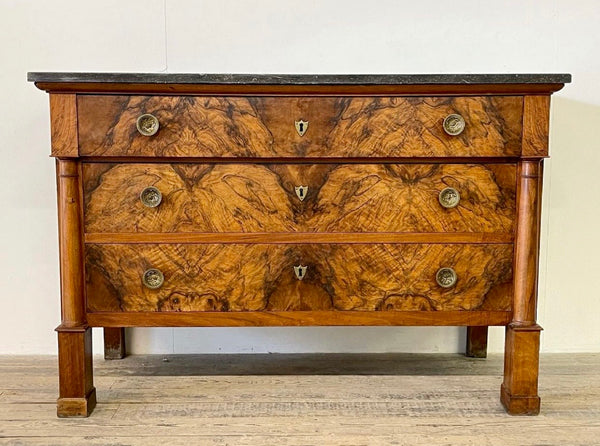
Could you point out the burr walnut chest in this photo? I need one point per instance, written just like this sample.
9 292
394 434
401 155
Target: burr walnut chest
257 200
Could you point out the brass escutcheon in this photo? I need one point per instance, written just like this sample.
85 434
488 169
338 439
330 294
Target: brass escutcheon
301 192
301 127
300 271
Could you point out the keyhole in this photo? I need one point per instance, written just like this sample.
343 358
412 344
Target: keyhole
301 192
300 274
301 127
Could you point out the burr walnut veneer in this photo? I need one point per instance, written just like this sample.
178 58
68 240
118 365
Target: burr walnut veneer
239 200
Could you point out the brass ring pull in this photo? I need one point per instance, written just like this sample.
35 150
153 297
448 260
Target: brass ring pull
449 198
151 197
446 277
147 124
153 278
300 271
454 124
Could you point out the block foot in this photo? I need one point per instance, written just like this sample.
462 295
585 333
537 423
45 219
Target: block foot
76 407
519 405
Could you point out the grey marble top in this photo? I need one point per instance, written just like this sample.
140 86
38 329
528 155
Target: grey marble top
300 79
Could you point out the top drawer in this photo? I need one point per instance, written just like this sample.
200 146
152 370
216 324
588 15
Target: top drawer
270 127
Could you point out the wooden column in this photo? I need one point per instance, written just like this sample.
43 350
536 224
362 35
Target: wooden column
477 338
114 343
77 395
519 391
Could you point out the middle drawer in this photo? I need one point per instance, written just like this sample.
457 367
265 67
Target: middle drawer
246 198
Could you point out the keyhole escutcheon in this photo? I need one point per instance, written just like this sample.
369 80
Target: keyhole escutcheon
301 127
301 192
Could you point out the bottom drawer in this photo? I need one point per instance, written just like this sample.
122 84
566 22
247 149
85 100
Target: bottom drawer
272 277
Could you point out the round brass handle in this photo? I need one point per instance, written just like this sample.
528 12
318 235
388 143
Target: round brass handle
449 197
446 277
151 197
153 278
147 124
454 124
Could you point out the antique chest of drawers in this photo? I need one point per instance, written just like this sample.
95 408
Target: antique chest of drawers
242 200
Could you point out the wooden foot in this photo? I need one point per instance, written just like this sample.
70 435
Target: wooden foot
519 392
477 338
114 343
519 405
77 395
76 407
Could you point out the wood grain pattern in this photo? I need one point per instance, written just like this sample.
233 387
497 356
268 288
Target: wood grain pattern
63 125
296 318
527 241
405 198
412 127
260 277
70 237
264 126
203 198
251 198
295 238
536 126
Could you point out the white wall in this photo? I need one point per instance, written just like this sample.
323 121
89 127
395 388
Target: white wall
311 36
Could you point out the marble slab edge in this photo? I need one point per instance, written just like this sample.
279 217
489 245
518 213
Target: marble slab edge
300 79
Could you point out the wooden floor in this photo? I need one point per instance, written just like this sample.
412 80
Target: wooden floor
301 400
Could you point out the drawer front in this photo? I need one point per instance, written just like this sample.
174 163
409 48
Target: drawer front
241 277
266 126
218 198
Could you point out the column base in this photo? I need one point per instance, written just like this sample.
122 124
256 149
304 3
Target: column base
76 407
77 395
519 405
519 391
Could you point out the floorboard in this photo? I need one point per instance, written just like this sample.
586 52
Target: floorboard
292 400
